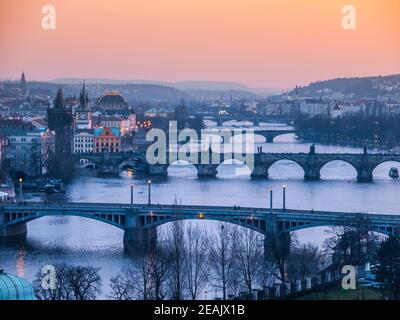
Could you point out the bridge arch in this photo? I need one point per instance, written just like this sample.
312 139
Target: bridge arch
343 169
114 220
286 168
281 135
381 230
20 174
233 168
86 163
182 168
256 225
382 168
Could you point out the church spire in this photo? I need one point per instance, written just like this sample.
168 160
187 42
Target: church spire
84 97
23 84
59 100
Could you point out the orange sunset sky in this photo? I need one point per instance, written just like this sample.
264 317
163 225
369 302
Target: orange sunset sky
260 43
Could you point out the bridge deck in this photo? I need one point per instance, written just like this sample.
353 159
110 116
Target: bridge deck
122 208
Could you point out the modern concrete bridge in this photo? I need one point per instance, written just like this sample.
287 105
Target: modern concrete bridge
139 221
259 163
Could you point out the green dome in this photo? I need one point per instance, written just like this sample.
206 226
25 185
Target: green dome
15 288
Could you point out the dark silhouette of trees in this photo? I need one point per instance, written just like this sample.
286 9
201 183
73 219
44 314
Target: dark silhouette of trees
305 260
248 255
222 259
197 271
387 266
359 128
352 242
176 251
121 288
72 283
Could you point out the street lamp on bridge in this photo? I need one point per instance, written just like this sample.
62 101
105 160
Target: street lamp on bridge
284 196
20 189
131 195
270 199
149 192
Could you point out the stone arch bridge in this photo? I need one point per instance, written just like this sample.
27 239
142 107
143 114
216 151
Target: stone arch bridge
259 163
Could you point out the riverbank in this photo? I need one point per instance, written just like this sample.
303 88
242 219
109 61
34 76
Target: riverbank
348 143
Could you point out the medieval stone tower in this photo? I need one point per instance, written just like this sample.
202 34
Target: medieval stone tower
60 121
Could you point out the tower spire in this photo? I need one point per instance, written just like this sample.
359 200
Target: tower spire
59 100
84 97
23 84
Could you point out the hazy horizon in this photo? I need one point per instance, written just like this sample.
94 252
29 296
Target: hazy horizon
257 43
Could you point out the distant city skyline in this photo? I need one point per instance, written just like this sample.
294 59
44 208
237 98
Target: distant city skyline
260 44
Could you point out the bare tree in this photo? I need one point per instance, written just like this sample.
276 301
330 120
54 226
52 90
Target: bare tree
196 260
121 288
176 251
145 281
352 242
72 283
85 282
221 259
305 261
248 255
277 254
140 277
159 265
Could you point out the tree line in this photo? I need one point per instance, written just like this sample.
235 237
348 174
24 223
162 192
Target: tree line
361 129
187 262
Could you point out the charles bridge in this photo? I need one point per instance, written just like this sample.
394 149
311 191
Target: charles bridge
207 162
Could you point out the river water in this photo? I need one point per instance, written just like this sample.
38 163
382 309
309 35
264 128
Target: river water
82 241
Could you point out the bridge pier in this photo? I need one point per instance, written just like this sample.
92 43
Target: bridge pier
19 229
138 239
260 170
312 173
158 169
364 175
207 170
269 138
13 231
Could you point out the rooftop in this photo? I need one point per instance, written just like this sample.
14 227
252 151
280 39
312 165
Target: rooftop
113 98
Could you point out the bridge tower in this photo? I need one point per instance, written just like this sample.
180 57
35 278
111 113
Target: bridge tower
60 121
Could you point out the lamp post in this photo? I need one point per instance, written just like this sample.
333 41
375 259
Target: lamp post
270 199
149 192
131 195
284 196
20 189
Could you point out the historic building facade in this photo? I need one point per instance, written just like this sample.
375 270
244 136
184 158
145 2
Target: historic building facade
107 140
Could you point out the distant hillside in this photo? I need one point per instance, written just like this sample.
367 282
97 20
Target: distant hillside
131 92
160 91
195 86
364 87
227 94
